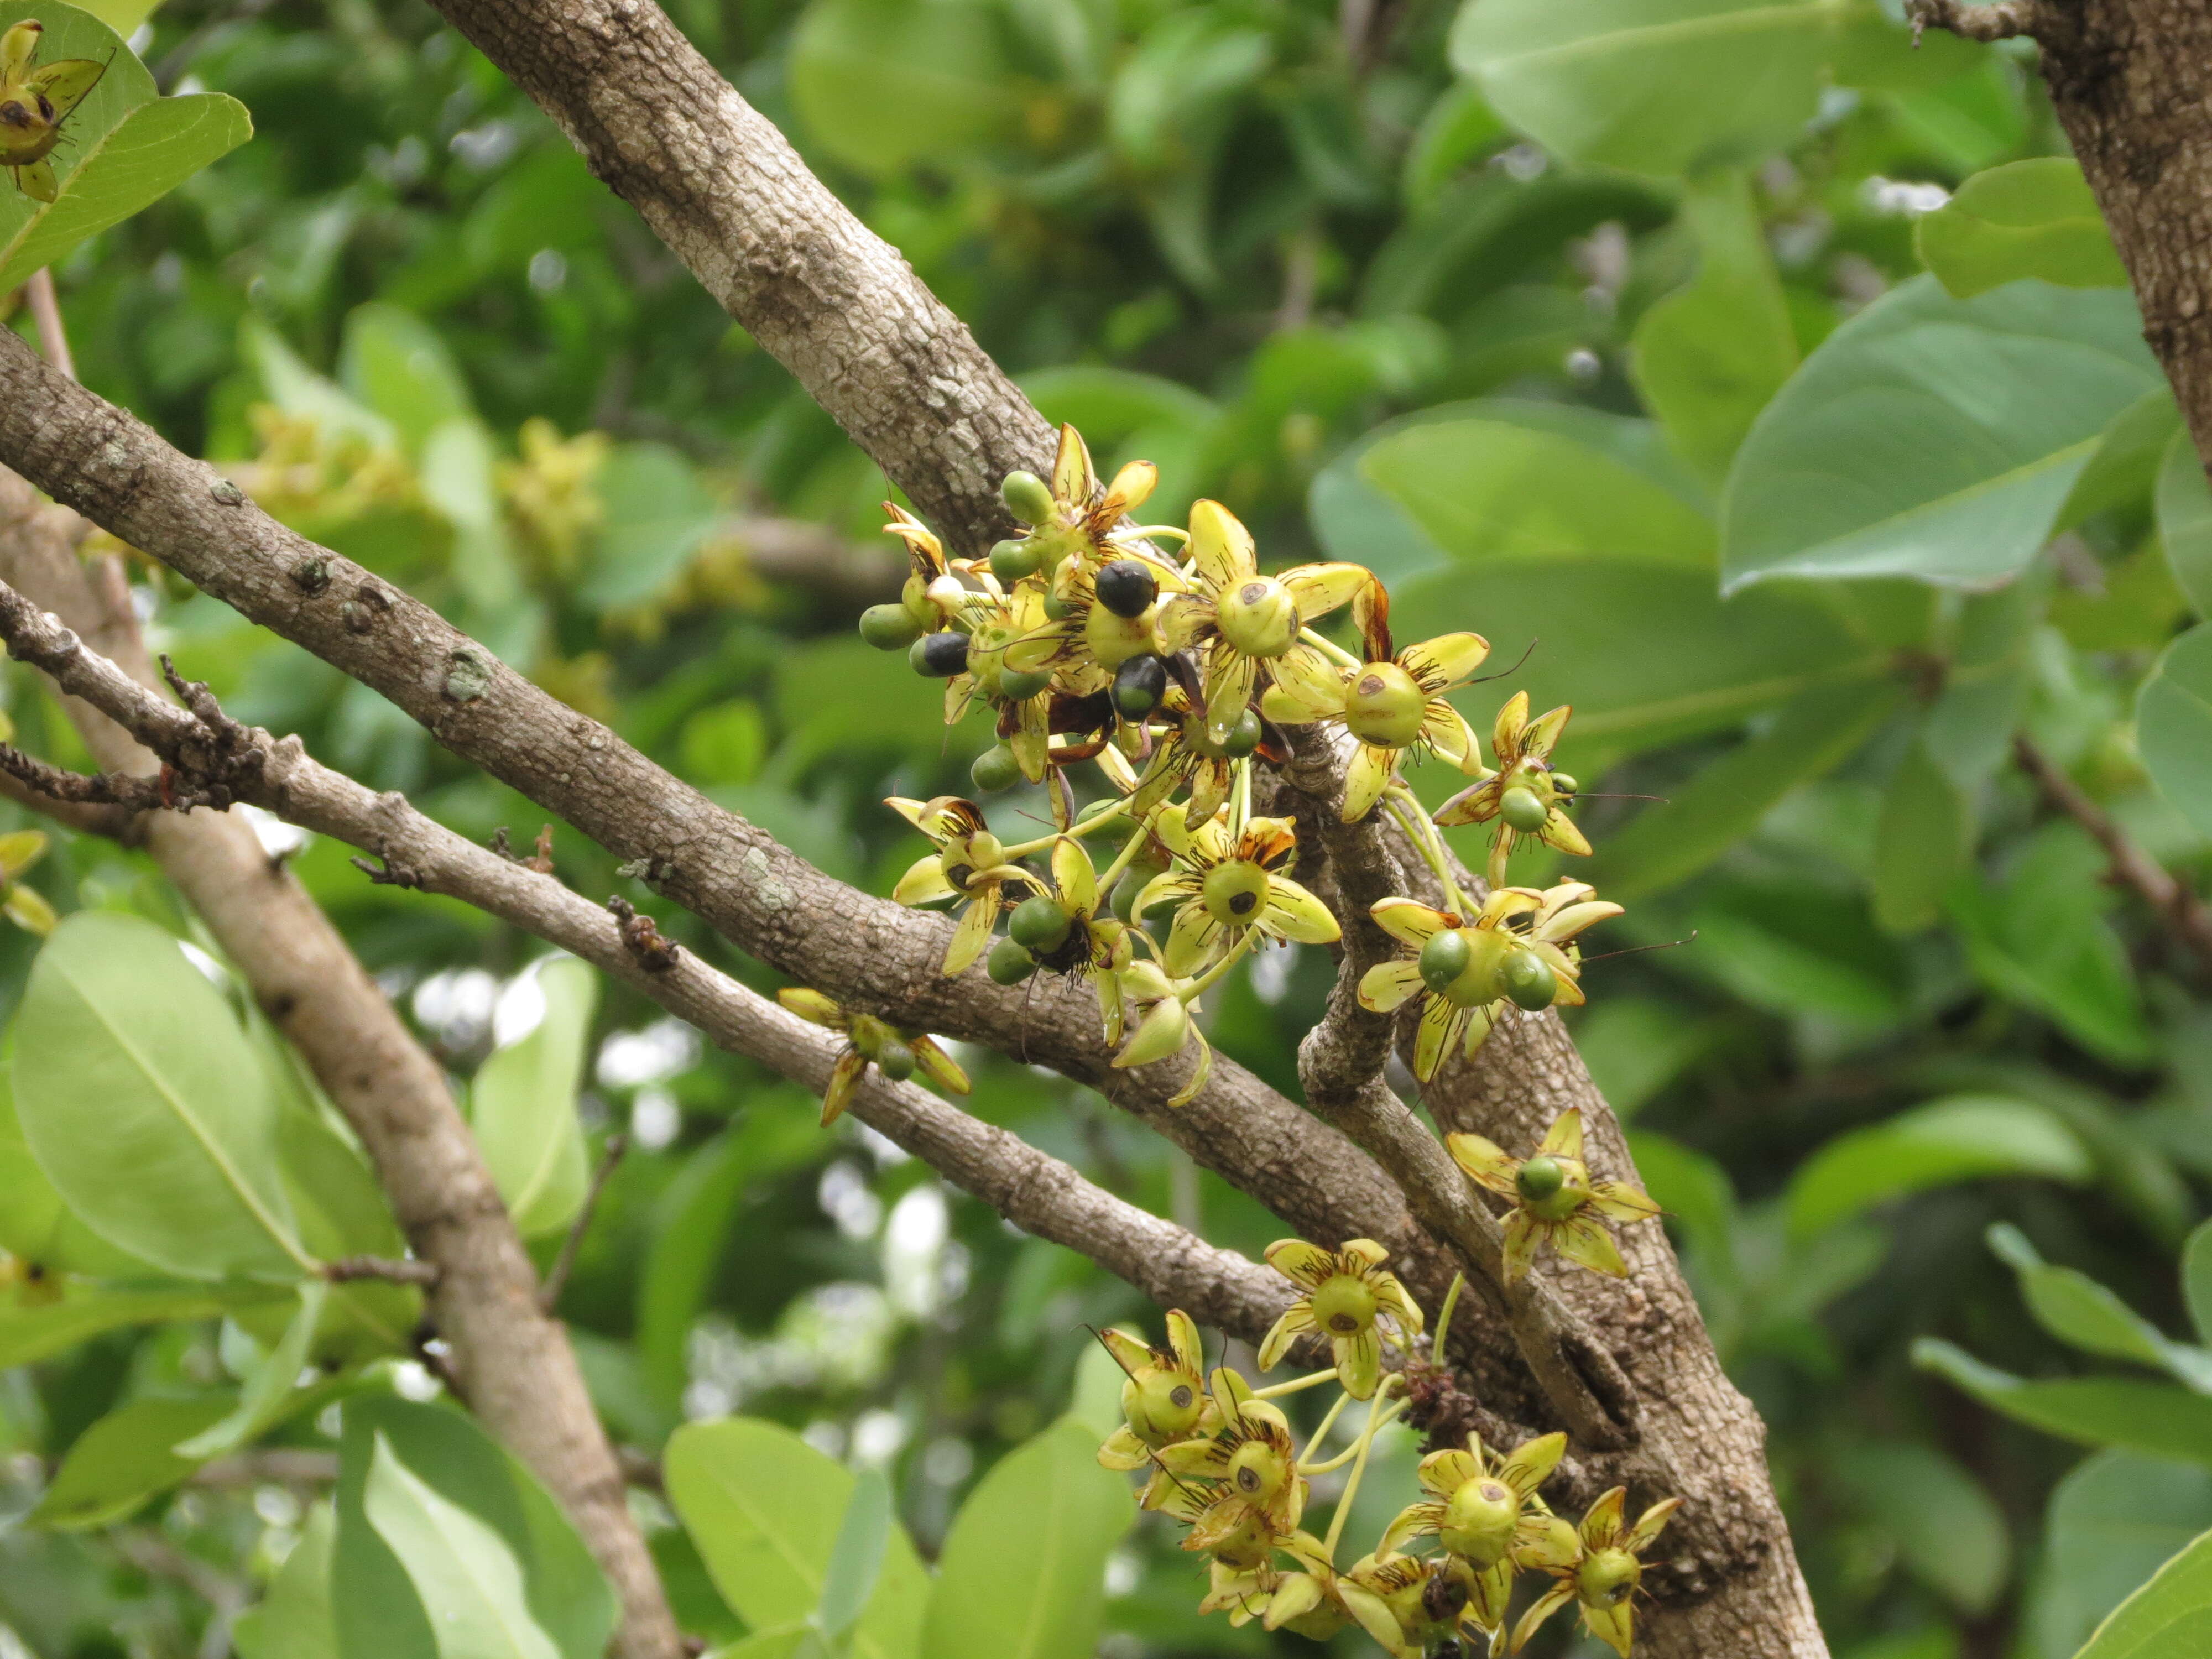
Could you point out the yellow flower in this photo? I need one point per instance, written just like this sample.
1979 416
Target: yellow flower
1094 948
1597 1565
933 594
1316 1601
1428 1599
1553 1197
1185 757
897 1054
1163 1401
1392 703
1477 1508
24 906
1230 889
1345 1291
969 864
1239 1487
1153 1008
1242 618
1518 948
1073 525
1525 795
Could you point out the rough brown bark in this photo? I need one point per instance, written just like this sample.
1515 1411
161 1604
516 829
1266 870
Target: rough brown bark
830 299
515 1365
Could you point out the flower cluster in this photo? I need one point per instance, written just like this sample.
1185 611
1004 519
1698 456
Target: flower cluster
1222 1458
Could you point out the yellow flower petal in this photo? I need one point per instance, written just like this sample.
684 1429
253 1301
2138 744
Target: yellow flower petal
1480 1022
1602 1521
1441 1024
1292 913
1477 804
1296 1320
1318 589
1364 1251
924 883
1532 1462
1158 1035
1299 1595
1386 985
973 936
1375 1617
1574 919
1445 661
1073 478
1560 831
1585 1242
1564 1138
19 851
1485 1162
1650 1525
1391 1295
1621 1201
1506 732
1195 943
1407 923
1548 1604
1230 677
844 1078
1123 1450
1365 779
1614 1626
1448 733
1307 686
1542 735
938 1066
1358 1363
1523 1233
1132 487
811 1005
1302 1261
1184 1339
1220 546
1074 875
1444 1473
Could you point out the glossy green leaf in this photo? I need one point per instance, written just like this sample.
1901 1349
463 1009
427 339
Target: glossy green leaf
1709 358
523 1105
856 1560
1968 1138
2156 1418
764 1508
31 1331
2123 472
2034 218
294 1620
2184 521
380 1615
1651 86
124 1458
2173 726
1948 1533
1022 1573
468 1578
1646 653
2169 1618
124 146
145 1106
1668 843
2078 1311
2111 1523
1921 845
397 365
36 1225
267 1396
881 83
1933 437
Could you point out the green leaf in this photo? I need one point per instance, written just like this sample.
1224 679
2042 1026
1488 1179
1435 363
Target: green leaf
881 83
2184 521
2103 1411
785 1642
399 365
460 477
2112 1522
1709 358
2123 472
1922 844
1650 85
523 1105
146 1107
1508 479
856 1560
2078 1311
764 1508
657 515
2173 726
1023 1571
1933 437
124 147
31 1332
469 1580
294 1620
36 1225
2035 218
1948 1533
267 1396
2169 1618
124 1460
380 1613
1635 1047
1667 843
1967 1138
1646 653
2196 1280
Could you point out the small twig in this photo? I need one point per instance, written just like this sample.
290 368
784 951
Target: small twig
557 1281
655 952
2001 20
409 1272
280 1465
2172 901
46 313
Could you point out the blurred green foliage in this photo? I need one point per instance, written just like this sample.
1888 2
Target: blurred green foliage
1557 341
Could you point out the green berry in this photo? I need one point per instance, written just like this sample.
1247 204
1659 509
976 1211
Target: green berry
889 627
1539 1178
1009 963
1139 685
1019 685
1040 924
1385 706
939 656
1027 497
1562 784
1244 735
1524 810
1012 560
1529 980
895 1060
1056 609
1444 958
995 769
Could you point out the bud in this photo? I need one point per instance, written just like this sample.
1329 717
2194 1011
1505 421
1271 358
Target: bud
1385 707
995 769
1259 617
895 1058
1158 1035
889 627
1012 560
1539 1178
1027 497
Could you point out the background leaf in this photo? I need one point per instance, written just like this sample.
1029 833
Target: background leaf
124 1458
523 1105
1964 1138
2035 218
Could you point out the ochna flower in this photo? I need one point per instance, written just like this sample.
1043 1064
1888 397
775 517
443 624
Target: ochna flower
1345 1290
969 864
1600 1569
1240 1486
1394 702
897 1054
1525 795
933 596
1163 1400
1554 1200
1242 619
1316 1601
1429 1598
1073 524
1477 1509
1230 889
1157 1016
1519 949
24 906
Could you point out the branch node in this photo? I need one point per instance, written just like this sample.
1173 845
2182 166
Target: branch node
387 873
655 952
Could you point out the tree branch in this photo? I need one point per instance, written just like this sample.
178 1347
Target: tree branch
2174 902
2001 20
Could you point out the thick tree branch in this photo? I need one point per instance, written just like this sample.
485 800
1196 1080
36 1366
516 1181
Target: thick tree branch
1999 20
515 1366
